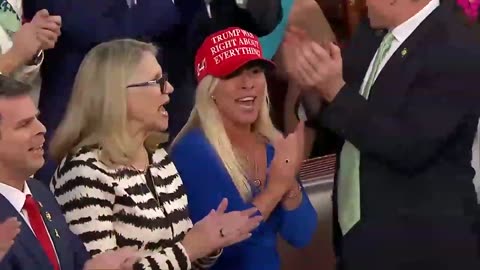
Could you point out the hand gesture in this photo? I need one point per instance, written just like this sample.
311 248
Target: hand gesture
315 66
25 43
219 229
285 56
288 158
8 231
122 259
48 28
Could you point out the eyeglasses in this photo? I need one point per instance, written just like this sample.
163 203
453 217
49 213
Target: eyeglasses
162 81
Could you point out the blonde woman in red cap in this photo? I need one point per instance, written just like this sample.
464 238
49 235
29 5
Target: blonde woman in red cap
230 148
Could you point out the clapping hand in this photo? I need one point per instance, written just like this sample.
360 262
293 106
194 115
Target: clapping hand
288 158
120 259
9 229
25 43
314 66
48 28
219 229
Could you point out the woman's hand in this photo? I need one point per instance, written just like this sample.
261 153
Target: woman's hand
9 229
219 229
289 153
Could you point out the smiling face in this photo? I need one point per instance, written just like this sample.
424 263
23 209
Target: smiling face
21 136
146 98
239 97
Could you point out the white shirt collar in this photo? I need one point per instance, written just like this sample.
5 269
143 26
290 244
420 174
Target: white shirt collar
15 196
404 30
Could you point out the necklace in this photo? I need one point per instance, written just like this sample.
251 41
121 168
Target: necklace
250 164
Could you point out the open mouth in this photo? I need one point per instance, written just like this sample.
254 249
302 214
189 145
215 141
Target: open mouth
162 111
246 102
37 150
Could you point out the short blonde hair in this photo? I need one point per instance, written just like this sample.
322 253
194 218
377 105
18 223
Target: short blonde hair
205 115
97 111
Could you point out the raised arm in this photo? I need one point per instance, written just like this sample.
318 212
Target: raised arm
439 103
88 23
91 217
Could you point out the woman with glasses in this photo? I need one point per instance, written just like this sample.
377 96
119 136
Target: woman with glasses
114 184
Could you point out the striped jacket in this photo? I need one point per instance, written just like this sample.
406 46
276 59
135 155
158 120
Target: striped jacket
110 208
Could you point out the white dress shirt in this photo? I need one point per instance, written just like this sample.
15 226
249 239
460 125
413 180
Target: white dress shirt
17 200
476 161
401 33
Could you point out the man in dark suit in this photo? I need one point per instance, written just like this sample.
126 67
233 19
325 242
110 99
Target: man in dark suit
405 101
44 242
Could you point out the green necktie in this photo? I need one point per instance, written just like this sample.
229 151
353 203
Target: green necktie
349 172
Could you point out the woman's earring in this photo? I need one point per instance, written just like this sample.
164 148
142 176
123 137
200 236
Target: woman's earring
212 97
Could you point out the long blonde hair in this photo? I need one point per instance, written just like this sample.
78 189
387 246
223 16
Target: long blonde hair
97 111
205 115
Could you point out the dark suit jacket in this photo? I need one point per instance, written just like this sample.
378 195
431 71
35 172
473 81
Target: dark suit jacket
26 253
415 134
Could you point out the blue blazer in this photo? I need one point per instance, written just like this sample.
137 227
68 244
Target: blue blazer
26 253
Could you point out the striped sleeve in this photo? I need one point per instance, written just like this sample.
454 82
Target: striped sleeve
207 262
86 196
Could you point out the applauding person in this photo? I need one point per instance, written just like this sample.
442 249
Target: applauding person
116 187
405 102
22 46
27 208
229 148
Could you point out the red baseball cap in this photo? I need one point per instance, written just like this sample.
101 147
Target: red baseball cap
225 51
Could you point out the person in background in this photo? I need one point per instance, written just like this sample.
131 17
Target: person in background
230 148
405 102
271 42
86 24
22 45
307 17
107 147
9 229
43 240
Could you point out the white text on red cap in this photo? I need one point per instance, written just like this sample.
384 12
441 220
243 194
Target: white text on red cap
233 43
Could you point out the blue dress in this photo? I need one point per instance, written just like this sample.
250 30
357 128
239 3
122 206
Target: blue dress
207 182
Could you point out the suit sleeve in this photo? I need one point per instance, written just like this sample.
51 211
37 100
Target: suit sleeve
442 98
7 262
88 23
91 218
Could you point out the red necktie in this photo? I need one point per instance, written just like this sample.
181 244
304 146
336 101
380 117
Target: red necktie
38 227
